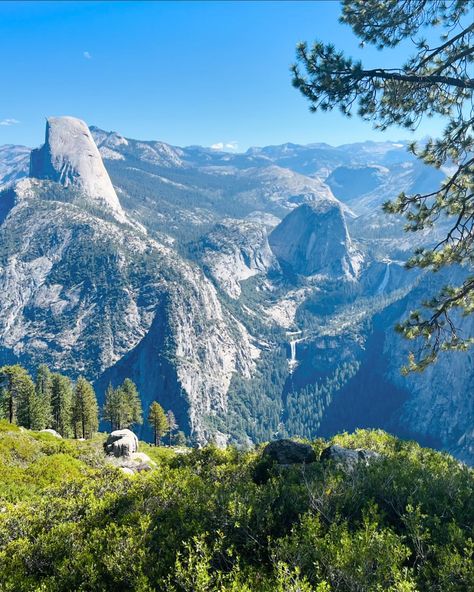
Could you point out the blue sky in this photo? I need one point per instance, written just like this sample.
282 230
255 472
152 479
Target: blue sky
183 72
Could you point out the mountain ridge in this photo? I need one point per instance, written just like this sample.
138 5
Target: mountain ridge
192 301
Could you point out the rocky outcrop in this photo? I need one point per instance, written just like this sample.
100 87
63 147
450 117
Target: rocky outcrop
289 452
130 464
121 443
313 239
235 251
70 157
348 458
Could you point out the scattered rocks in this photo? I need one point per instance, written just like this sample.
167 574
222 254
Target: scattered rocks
131 466
347 457
289 452
142 467
142 458
121 448
121 443
52 432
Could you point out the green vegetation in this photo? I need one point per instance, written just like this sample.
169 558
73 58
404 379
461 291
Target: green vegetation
159 422
50 402
437 80
204 522
122 406
305 407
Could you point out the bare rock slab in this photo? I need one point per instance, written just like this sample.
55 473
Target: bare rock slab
289 452
347 457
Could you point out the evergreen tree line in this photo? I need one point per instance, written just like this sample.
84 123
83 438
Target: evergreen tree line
306 407
49 402
53 401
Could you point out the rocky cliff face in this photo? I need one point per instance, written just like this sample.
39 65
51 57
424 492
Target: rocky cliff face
70 157
235 251
440 407
313 239
82 292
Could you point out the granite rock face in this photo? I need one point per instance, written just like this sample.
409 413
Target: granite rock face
289 452
70 157
347 457
313 239
91 296
440 409
235 251
121 443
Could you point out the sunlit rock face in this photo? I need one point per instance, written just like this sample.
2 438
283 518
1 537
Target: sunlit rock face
69 156
234 251
313 239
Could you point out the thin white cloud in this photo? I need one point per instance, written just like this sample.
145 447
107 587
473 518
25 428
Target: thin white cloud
87 55
225 146
9 121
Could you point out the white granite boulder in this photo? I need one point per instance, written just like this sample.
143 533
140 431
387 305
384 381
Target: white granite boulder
121 443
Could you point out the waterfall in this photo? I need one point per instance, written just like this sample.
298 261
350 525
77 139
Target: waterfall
385 279
293 362
293 351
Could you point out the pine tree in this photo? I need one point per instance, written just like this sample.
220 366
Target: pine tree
437 80
157 419
122 406
172 424
132 403
110 411
61 404
85 411
17 395
43 394
180 439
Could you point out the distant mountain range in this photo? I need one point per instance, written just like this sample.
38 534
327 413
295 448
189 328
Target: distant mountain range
254 294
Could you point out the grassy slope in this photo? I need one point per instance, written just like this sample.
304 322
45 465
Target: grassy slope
216 520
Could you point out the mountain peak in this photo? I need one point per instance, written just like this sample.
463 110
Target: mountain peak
313 239
70 156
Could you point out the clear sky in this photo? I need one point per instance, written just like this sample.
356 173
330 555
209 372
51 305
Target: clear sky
183 72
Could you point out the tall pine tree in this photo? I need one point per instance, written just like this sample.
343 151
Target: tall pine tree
132 402
157 419
43 391
122 406
17 395
61 404
85 411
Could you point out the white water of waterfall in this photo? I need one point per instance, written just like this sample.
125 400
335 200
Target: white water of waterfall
385 279
293 351
293 362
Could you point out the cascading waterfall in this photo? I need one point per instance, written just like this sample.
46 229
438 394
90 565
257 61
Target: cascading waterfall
293 362
385 279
